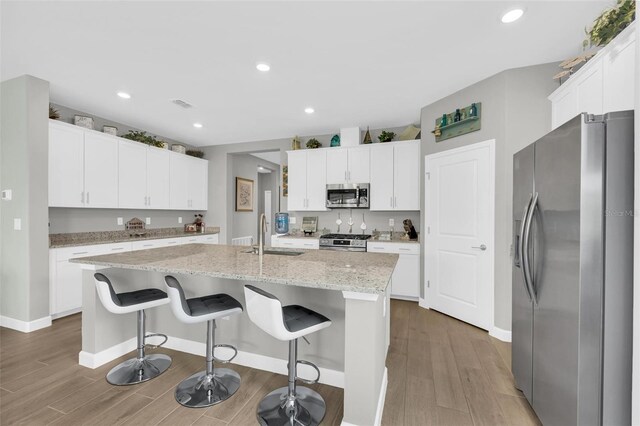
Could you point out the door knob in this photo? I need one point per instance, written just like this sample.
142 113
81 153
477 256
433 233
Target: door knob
482 247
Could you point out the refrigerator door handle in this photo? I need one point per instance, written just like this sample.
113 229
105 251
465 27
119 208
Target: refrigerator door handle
518 258
525 250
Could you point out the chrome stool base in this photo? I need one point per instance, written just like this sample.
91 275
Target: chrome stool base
309 408
202 390
138 370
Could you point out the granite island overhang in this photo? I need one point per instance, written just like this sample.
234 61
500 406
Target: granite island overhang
352 289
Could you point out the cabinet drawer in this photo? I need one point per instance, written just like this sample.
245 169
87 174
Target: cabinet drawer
146 244
66 253
298 243
396 248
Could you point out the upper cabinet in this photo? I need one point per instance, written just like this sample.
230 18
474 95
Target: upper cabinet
92 169
307 180
604 84
348 165
66 165
395 176
392 169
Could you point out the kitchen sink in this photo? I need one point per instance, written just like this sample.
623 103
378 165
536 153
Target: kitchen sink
281 252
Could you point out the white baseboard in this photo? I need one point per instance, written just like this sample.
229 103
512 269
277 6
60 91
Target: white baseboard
500 334
381 399
66 313
407 298
91 360
248 359
260 362
25 326
422 303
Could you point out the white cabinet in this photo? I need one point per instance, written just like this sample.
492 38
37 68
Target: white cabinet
197 172
65 278
604 84
158 178
143 172
295 243
91 169
395 176
66 165
100 170
307 180
405 281
348 165
65 286
132 182
188 186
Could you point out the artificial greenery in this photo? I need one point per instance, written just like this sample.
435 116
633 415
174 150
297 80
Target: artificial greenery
386 136
611 23
142 137
313 143
54 114
195 153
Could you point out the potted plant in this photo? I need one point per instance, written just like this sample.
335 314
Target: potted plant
54 114
142 137
195 153
386 136
611 23
313 143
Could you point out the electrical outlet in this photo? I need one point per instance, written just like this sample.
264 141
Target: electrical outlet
292 220
148 221
392 222
7 195
17 224
179 219
120 221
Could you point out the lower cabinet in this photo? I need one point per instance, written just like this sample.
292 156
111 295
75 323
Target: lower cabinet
296 243
405 281
65 278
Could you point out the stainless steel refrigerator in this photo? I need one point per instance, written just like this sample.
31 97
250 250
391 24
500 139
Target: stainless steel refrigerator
572 271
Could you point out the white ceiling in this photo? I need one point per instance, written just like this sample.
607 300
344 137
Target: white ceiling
357 63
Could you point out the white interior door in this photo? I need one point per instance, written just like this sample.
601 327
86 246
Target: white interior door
459 244
267 212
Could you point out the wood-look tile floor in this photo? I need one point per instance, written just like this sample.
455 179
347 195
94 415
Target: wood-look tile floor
441 371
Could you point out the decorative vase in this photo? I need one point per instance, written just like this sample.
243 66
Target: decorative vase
335 140
295 143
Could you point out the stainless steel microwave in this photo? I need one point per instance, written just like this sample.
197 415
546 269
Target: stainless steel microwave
348 196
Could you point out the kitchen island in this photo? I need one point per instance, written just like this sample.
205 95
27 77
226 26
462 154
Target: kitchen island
349 288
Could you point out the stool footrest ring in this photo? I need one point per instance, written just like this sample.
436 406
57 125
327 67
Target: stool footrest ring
225 361
309 382
156 335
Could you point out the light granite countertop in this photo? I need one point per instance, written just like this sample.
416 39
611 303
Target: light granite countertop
109 237
326 269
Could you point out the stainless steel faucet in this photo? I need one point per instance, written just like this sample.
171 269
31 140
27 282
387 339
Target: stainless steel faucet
263 226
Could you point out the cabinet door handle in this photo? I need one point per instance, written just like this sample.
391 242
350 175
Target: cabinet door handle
403 249
80 252
395 201
147 245
390 201
349 175
149 200
82 197
117 248
87 197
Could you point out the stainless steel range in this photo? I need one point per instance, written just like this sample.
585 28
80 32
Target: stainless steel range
345 242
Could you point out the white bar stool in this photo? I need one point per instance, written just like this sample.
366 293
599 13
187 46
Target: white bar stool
289 405
144 367
213 385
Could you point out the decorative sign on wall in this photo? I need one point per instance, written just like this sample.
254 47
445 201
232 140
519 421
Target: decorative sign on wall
461 121
244 195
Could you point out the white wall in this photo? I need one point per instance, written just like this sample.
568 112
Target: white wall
515 112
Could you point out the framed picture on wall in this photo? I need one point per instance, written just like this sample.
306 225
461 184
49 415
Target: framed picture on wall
244 195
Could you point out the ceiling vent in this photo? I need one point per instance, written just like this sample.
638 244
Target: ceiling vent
181 103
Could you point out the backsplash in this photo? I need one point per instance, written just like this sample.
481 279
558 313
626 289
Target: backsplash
373 220
66 220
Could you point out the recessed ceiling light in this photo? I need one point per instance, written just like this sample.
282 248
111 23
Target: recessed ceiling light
512 16
197 125
124 95
309 110
263 67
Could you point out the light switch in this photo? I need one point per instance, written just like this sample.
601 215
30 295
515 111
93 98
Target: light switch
392 222
120 221
179 219
17 224
292 220
148 221
6 195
